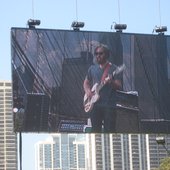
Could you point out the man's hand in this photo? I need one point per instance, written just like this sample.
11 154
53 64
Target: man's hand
108 79
89 93
114 82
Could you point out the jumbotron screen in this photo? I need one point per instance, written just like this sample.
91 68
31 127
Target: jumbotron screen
49 68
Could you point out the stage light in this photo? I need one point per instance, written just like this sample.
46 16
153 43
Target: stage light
15 110
32 23
77 25
119 27
161 29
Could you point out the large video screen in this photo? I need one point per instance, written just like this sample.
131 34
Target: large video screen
49 68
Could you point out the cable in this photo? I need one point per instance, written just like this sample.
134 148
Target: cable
33 8
76 11
160 12
119 10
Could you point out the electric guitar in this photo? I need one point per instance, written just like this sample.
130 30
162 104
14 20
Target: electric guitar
89 102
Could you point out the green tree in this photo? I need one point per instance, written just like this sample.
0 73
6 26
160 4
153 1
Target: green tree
165 164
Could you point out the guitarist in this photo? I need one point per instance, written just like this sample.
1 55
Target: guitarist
103 111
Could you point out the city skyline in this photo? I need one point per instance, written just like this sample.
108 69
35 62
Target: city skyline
101 151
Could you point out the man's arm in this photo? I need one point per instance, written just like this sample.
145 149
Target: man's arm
116 83
87 88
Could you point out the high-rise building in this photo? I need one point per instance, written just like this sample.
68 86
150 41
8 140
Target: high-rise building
101 152
61 152
8 139
126 151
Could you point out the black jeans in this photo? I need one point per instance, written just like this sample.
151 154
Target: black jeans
103 119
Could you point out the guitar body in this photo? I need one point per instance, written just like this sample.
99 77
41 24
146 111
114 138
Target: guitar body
88 103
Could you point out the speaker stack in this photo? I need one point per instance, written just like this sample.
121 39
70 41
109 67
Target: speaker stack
127 112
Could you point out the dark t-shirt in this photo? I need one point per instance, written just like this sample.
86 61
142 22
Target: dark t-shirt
107 93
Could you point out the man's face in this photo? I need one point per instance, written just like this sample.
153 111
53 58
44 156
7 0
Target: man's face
100 55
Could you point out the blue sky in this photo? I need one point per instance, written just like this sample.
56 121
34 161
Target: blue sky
141 16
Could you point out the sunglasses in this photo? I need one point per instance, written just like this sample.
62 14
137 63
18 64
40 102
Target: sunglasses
99 53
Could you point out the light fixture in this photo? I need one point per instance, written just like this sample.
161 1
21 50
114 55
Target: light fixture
160 140
161 29
77 25
119 27
32 23
15 110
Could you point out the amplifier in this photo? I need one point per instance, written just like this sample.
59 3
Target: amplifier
128 99
36 112
127 120
155 125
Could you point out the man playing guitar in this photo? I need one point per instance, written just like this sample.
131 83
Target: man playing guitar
102 109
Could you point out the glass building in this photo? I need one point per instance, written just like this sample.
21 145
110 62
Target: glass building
8 139
61 152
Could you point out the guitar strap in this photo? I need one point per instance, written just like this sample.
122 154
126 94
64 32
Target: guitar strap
105 73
